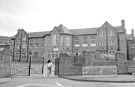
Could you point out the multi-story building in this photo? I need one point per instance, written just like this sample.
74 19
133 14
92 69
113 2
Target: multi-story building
4 42
106 39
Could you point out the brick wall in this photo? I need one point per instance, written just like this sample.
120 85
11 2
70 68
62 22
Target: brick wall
69 65
121 62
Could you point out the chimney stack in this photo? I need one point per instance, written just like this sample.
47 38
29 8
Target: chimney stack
132 31
123 23
18 30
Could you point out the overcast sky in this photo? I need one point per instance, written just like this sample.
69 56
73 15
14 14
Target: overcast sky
43 15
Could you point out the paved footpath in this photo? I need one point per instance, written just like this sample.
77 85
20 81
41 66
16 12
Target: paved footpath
58 82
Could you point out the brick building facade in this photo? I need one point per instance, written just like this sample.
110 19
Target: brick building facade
105 40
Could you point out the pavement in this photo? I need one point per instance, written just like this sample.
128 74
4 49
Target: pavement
103 78
4 80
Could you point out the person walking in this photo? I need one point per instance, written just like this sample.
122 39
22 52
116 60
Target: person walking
49 67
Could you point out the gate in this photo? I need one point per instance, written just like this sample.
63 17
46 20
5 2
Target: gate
34 66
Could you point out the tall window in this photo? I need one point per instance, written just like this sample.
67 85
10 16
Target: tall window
111 33
111 43
48 54
55 39
93 40
61 41
102 43
67 41
85 41
17 45
76 38
23 38
48 41
102 33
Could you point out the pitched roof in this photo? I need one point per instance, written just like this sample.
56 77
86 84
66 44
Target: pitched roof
38 34
119 28
84 31
64 29
4 38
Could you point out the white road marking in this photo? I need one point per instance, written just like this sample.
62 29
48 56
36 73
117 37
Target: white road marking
59 84
43 85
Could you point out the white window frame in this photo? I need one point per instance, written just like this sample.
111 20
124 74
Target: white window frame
91 41
76 40
85 41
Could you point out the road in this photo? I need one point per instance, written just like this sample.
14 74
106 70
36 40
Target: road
59 82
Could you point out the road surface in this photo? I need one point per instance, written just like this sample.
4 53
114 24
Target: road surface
58 82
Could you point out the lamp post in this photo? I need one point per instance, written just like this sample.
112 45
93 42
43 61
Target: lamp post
43 65
30 62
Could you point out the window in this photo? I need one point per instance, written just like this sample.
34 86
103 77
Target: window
93 56
76 38
48 54
48 41
132 46
93 40
18 45
111 43
85 42
31 44
103 43
23 45
68 41
37 44
55 39
23 55
102 33
36 54
111 33
24 38
54 54
61 41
